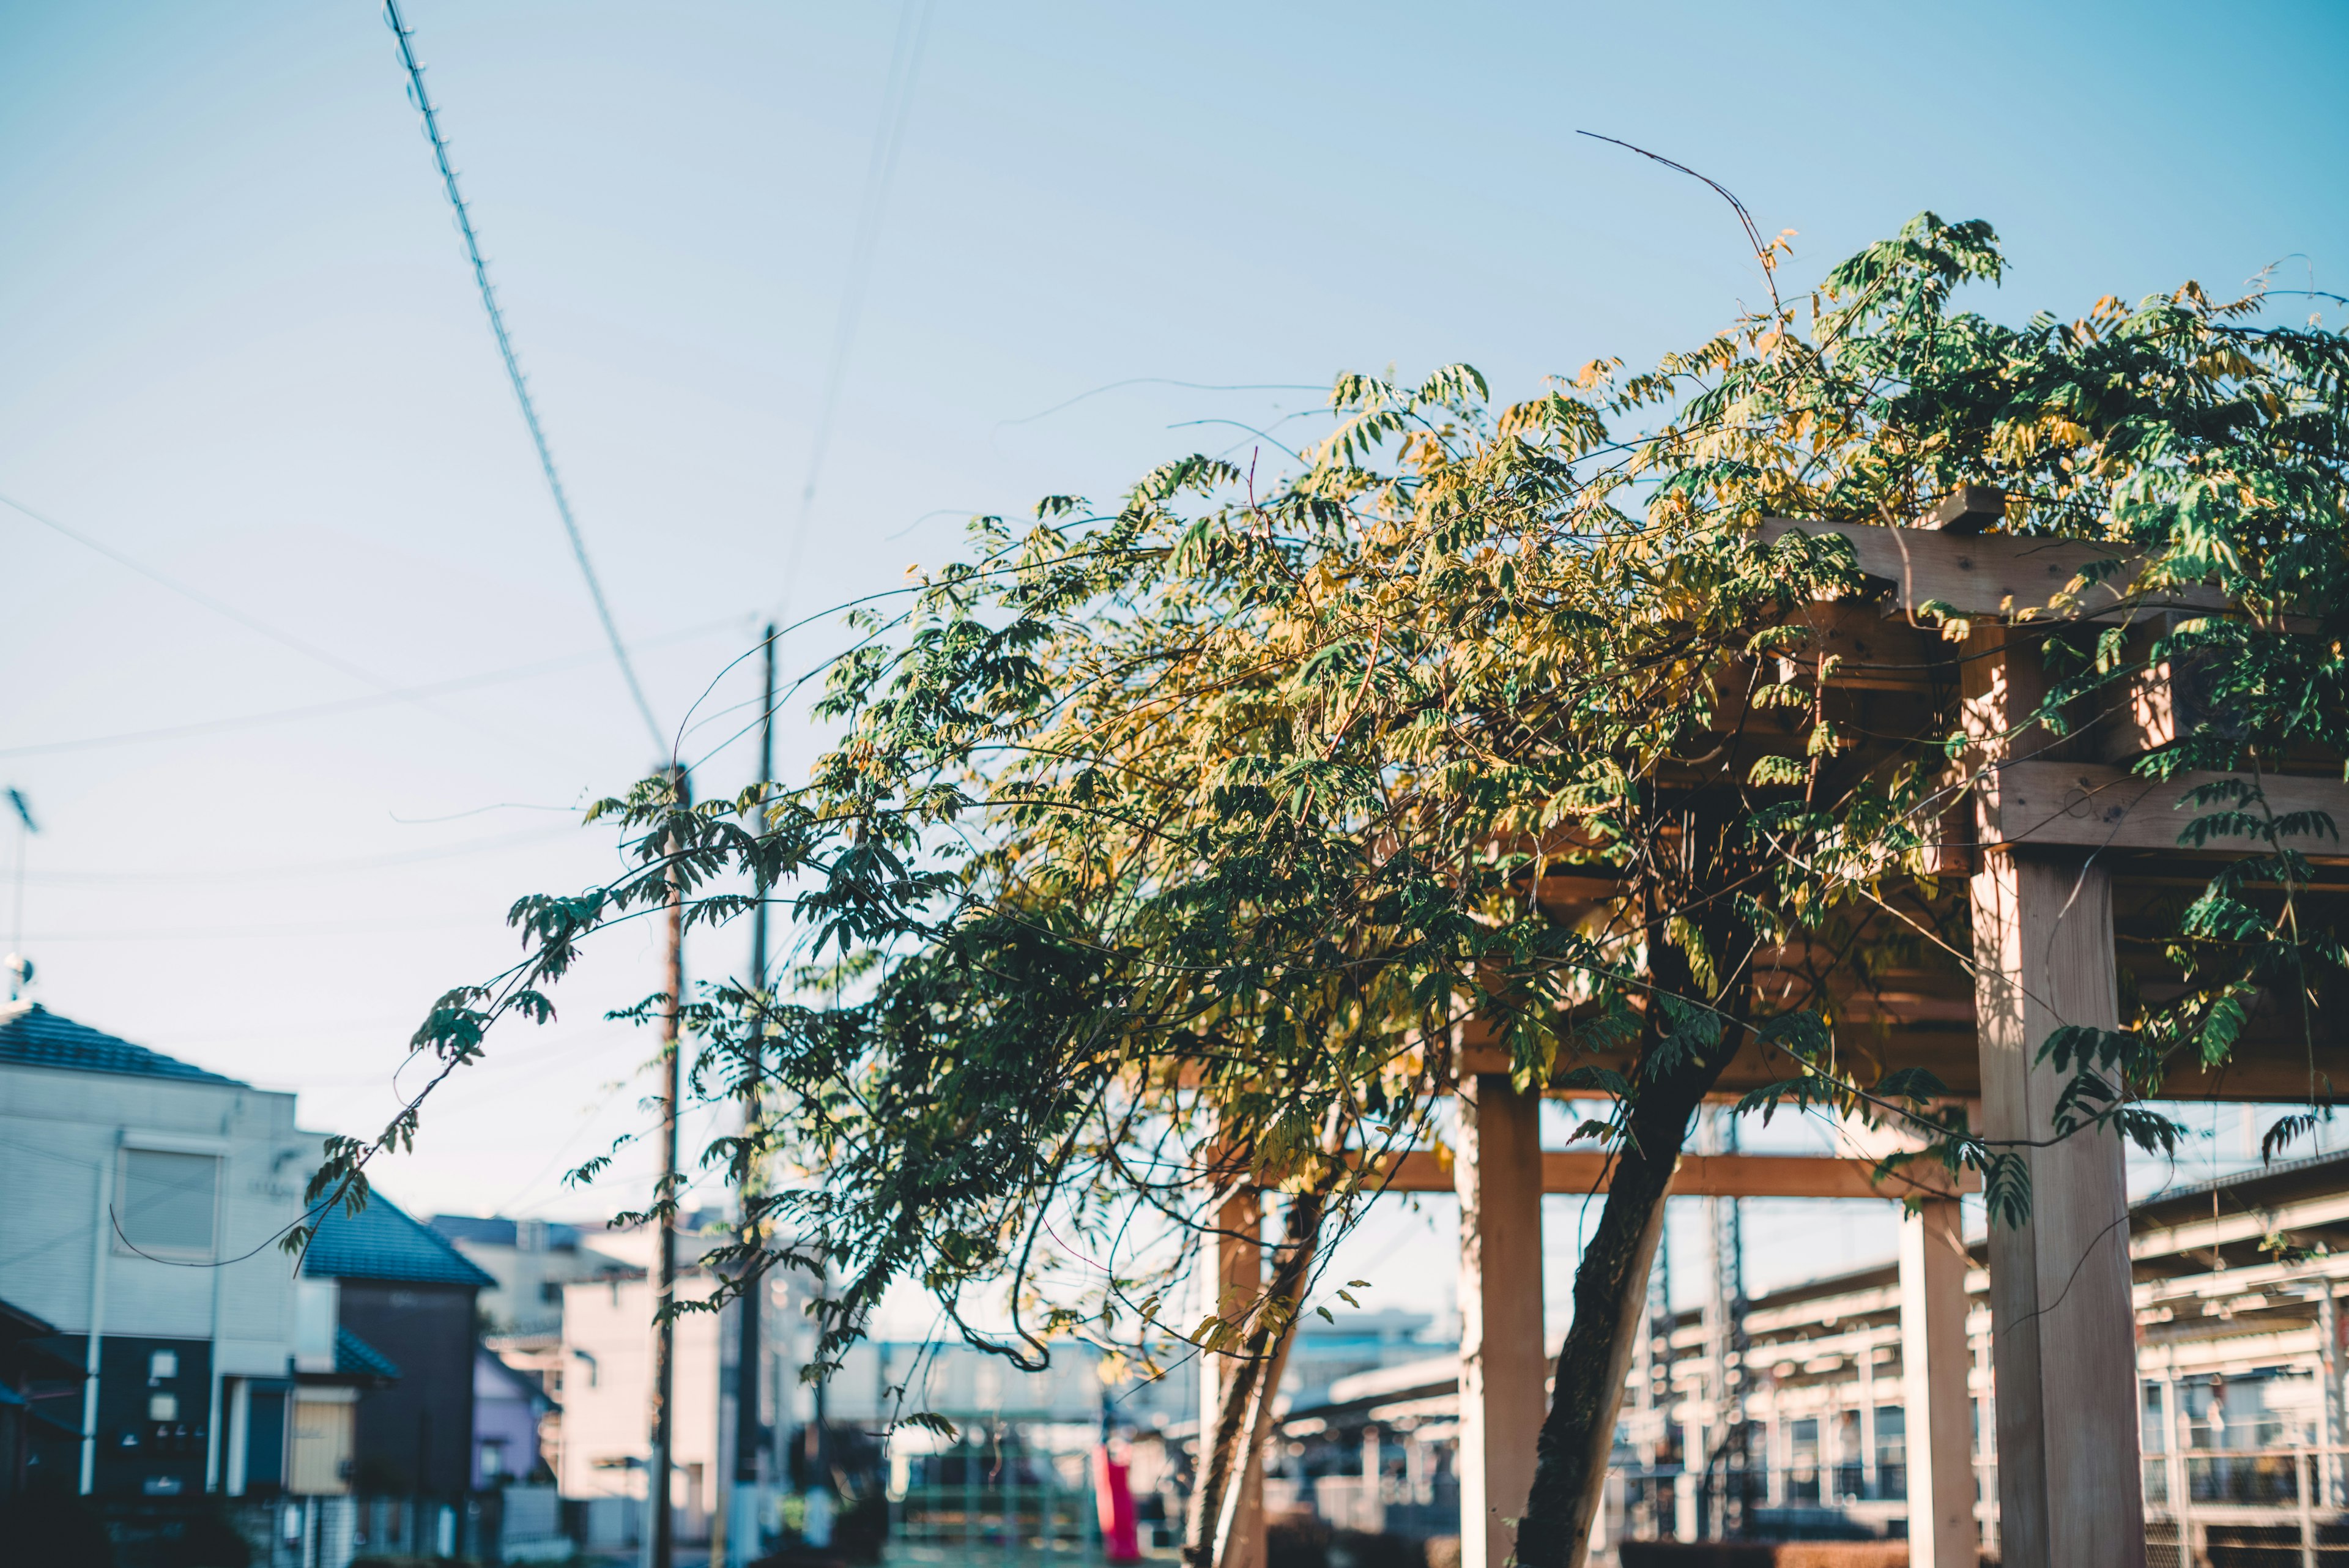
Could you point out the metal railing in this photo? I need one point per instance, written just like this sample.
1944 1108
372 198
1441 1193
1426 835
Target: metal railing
1008 1520
2289 1507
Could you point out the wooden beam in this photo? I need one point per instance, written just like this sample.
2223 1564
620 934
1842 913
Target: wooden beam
2263 1072
1996 573
2070 1495
2093 807
1504 1363
1233 1279
1574 1172
1934 1359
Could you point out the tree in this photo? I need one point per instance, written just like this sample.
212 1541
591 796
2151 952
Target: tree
1171 848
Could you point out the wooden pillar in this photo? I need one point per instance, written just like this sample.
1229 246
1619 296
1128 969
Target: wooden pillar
2328 1366
2064 1330
1235 1279
1504 1365
1935 1360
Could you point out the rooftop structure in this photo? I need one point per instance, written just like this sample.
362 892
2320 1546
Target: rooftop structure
33 1036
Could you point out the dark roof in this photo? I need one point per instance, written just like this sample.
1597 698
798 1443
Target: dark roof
355 1357
33 1036
16 1323
495 1231
382 1243
521 1383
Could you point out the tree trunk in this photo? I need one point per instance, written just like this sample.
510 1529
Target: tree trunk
1610 1301
1610 1286
1231 1450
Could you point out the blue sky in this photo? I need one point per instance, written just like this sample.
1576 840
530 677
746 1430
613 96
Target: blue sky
238 345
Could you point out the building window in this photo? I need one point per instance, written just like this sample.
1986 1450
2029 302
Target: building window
1803 1460
163 1406
163 1364
1892 1451
166 1201
551 1290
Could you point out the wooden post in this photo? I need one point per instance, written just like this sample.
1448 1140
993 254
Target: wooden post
2328 1366
1504 1366
2064 1330
1235 1279
1934 1359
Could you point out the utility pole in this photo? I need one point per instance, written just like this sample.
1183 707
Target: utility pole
661 1538
743 1530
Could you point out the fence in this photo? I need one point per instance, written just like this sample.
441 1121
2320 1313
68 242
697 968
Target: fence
2212 1507
1020 1522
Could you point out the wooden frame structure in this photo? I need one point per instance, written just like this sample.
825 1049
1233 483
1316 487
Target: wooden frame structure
2062 849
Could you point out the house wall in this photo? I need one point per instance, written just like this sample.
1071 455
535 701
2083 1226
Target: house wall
416 1437
60 1132
505 1421
608 1393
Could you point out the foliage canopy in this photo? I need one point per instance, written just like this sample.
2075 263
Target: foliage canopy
1170 846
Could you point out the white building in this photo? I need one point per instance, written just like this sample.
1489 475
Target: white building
606 1395
144 1201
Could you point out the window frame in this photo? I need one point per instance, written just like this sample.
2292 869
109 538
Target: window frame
212 1149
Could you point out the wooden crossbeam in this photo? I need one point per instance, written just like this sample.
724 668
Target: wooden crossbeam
1996 574
2094 807
1708 1176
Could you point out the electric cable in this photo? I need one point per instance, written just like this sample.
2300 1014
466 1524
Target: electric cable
417 95
881 170
220 607
346 704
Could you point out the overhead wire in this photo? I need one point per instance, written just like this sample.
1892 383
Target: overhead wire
236 873
347 704
217 607
227 611
881 171
422 100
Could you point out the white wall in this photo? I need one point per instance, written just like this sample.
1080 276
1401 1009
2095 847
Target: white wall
605 1412
60 1130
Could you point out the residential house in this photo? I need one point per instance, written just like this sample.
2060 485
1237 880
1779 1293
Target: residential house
508 1408
145 1198
522 1314
401 1301
607 1335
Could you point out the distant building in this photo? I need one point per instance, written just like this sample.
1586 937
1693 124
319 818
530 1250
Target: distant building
529 1261
508 1408
122 1167
2243 1355
607 1332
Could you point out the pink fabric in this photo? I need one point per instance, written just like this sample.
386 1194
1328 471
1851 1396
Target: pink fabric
1115 1499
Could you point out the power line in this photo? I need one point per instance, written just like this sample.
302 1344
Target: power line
423 102
227 611
238 874
342 705
307 650
881 171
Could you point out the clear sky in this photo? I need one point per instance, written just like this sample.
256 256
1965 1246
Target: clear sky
238 346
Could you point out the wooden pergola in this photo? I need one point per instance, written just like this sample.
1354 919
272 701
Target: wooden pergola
2066 858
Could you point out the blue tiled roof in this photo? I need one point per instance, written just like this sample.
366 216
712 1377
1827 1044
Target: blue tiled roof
355 1356
382 1243
33 1036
